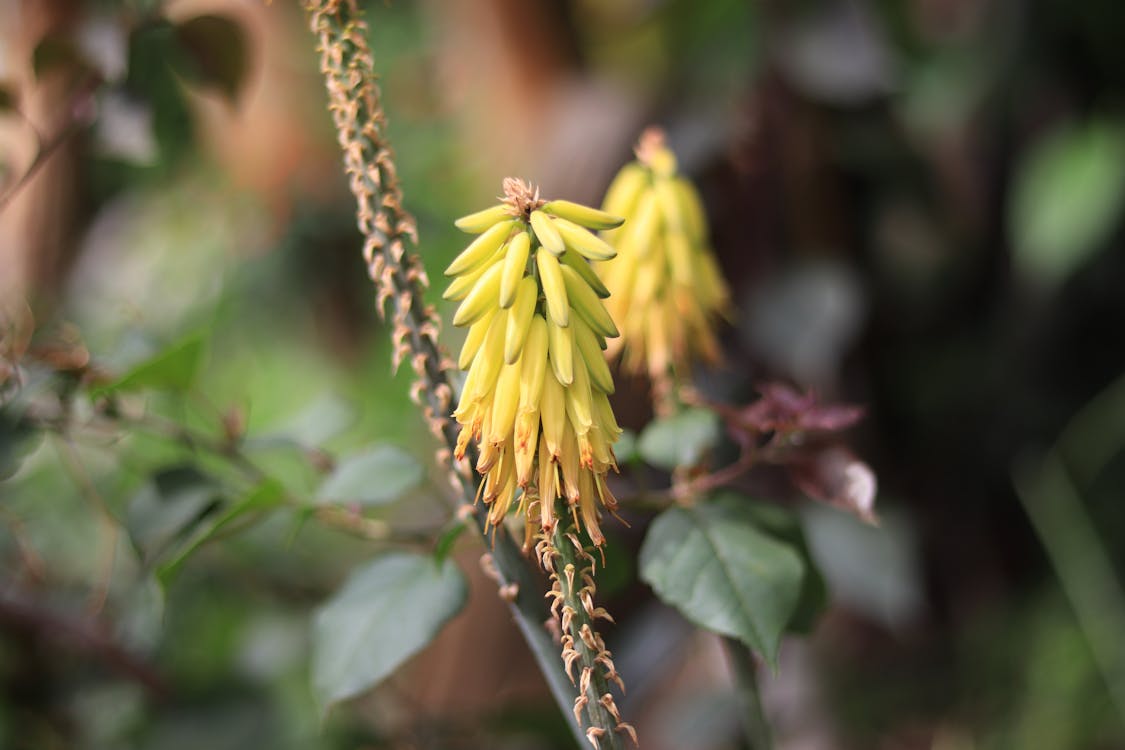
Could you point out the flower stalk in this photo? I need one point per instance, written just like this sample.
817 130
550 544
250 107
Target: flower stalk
589 664
399 277
535 401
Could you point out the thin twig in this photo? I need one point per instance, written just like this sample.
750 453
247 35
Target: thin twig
80 112
108 527
724 476
199 441
695 486
371 529
331 516
31 558
22 613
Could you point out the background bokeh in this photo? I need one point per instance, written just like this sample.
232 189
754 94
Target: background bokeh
917 203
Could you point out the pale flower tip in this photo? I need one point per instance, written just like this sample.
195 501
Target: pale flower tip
652 138
860 489
520 196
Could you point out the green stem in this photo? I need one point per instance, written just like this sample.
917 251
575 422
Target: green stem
531 616
581 629
1095 434
1052 497
745 672
1084 569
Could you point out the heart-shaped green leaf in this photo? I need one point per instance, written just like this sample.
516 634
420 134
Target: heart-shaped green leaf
388 610
714 564
376 476
679 440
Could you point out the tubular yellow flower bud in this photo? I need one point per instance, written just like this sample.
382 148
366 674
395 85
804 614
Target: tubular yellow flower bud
474 340
515 265
554 288
585 302
534 399
481 249
535 365
591 218
666 291
578 400
587 347
581 241
582 268
460 287
483 297
561 346
519 318
546 232
482 220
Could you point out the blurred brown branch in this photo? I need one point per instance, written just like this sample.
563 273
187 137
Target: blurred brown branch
35 620
80 112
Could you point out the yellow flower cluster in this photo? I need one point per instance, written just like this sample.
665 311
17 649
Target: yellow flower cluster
535 397
666 286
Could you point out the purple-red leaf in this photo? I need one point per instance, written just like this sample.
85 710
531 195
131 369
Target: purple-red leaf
783 409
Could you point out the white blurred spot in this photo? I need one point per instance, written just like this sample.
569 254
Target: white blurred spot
837 55
102 42
802 321
860 488
124 129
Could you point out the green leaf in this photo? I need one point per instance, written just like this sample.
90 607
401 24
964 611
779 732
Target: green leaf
626 447
140 614
267 495
679 440
216 47
619 568
785 526
377 476
388 610
168 507
448 537
17 439
1067 198
174 369
325 417
713 564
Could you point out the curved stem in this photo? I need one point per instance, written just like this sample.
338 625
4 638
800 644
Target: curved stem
1085 571
1052 496
745 672
696 486
80 114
